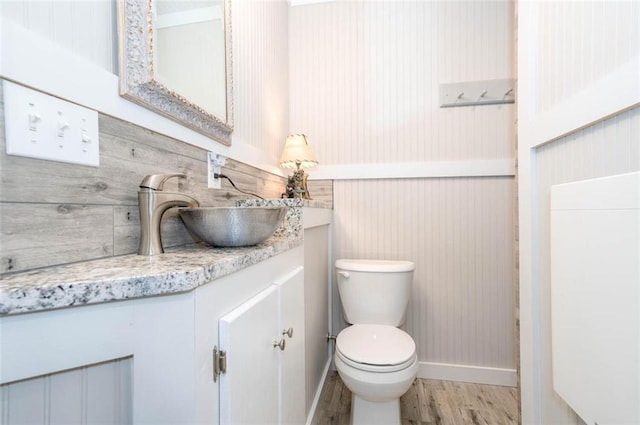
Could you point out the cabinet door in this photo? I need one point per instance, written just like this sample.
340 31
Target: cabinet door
292 381
249 388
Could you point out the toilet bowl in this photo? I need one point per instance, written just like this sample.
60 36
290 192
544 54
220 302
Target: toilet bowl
376 360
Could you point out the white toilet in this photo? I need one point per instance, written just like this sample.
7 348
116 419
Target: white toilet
376 360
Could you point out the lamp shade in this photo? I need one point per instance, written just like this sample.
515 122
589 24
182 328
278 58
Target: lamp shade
297 152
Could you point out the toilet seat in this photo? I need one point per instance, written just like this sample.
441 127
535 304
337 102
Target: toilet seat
376 368
376 348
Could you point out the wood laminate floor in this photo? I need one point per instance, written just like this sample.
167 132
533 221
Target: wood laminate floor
430 402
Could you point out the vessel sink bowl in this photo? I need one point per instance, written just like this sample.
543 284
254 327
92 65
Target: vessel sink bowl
232 226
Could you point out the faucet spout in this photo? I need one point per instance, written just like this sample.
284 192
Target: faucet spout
153 204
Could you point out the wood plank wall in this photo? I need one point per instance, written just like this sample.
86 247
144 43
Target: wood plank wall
53 213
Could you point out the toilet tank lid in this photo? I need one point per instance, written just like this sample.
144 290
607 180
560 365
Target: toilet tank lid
375 266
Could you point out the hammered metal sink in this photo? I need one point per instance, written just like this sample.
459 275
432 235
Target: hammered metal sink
232 226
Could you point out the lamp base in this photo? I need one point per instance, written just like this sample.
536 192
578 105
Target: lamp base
297 185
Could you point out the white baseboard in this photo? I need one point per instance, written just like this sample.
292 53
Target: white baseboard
440 371
464 373
316 398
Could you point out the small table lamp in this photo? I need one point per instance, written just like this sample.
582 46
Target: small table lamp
297 154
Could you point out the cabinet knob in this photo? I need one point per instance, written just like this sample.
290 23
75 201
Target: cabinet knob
288 332
280 344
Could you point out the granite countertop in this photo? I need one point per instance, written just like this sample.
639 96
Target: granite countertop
179 269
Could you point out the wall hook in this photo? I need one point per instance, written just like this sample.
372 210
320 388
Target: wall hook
485 92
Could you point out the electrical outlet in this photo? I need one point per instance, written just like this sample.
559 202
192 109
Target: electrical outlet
213 182
214 166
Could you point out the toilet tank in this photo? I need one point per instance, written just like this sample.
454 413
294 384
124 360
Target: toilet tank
374 291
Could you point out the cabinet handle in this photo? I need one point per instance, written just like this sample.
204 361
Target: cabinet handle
280 344
288 332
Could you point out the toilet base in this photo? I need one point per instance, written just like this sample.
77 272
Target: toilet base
365 412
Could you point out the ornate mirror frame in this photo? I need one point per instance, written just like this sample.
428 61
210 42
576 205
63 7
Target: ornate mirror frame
138 83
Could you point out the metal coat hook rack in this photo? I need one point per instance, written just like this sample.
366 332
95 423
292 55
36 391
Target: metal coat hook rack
471 93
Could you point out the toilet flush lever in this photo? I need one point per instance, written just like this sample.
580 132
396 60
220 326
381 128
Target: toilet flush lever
344 274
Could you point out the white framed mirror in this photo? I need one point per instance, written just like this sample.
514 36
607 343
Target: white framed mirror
175 59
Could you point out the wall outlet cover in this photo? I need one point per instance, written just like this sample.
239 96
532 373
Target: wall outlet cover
214 164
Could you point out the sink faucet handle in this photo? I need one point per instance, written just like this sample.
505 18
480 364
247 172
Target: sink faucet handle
156 181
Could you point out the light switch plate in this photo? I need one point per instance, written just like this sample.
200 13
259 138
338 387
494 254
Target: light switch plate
44 127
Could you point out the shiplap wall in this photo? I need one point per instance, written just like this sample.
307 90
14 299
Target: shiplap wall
569 129
364 88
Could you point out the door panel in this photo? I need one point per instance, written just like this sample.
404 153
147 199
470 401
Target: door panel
249 388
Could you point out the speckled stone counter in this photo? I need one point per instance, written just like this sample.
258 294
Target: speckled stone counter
133 276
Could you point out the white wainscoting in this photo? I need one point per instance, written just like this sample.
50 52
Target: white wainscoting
460 234
607 148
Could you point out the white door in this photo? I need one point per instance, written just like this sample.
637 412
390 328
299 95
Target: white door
292 388
249 388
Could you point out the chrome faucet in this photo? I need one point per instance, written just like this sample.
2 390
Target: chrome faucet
153 203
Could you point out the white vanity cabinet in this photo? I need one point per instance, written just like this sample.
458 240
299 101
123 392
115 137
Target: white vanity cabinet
142 361
263 341
243 315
